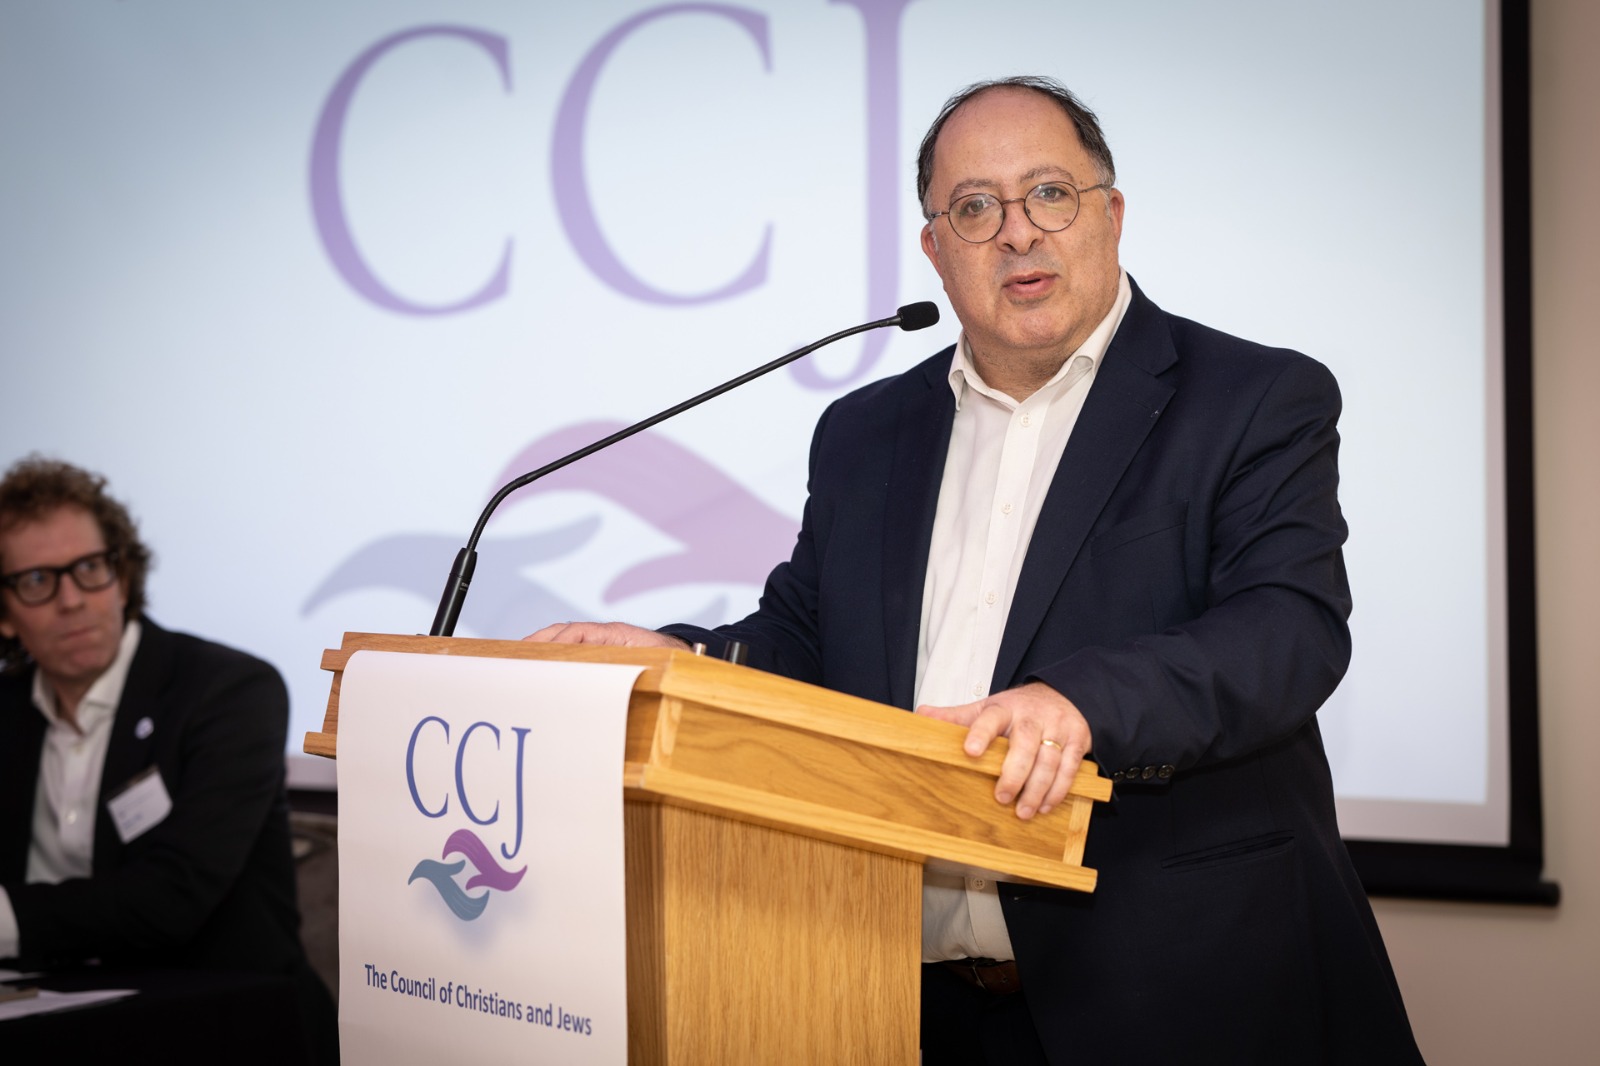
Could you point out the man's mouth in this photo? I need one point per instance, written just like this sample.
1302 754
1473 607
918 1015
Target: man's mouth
1029 284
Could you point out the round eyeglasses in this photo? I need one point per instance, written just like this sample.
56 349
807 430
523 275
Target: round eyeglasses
39 585
978 216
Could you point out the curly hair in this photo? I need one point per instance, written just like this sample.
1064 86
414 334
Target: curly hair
35 488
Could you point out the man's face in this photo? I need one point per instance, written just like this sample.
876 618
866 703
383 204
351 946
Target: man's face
1026 296
73 636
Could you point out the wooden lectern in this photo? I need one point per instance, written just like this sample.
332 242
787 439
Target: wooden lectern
775 839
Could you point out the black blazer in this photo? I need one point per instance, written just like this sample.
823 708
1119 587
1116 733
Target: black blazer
1185 588
212 886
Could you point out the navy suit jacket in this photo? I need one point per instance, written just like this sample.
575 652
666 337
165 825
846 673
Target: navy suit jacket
212 886
1184 587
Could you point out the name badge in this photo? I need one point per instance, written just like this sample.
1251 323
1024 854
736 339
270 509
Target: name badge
140 804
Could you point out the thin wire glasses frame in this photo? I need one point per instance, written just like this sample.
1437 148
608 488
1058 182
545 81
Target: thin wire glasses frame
1045 205
38 585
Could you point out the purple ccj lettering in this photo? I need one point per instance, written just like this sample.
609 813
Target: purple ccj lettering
570 181
327 200
881 23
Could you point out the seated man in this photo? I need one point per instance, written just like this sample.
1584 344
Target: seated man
143 818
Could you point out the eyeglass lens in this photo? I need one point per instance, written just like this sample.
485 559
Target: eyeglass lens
978 217
90 573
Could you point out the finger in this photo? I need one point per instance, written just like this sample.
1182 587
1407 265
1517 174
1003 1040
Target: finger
1051 778
1017 768
1062 783
993 720
621 634
1047 760
962 715
580 633
550 634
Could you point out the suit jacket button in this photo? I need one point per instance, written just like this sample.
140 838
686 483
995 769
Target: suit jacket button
1148 772
1117 777
1166 772
1132 773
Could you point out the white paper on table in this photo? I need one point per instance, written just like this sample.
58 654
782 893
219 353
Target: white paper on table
46 1001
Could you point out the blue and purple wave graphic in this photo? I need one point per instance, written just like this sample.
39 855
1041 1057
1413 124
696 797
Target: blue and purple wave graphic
723 531
488 874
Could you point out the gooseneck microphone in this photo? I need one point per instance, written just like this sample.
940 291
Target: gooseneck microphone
910 317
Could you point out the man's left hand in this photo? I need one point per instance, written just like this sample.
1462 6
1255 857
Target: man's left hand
1035 774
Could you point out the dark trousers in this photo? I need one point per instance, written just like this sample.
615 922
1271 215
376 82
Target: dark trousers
966 1026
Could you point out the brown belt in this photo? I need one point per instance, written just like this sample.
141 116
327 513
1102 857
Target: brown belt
999 978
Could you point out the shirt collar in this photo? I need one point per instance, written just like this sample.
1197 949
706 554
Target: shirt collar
100 702
963 374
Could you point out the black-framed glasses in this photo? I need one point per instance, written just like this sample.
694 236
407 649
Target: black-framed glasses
1053 206
39 584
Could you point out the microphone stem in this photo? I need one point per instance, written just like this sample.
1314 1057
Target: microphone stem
678 409
455 593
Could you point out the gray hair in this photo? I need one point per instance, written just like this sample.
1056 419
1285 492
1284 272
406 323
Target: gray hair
1083 120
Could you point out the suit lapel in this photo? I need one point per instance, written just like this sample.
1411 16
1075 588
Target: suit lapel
1123 405
922 438
127 753
22 730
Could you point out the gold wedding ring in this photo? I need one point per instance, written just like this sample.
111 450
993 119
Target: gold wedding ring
1052 743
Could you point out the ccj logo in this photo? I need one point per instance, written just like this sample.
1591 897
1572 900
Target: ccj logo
487 872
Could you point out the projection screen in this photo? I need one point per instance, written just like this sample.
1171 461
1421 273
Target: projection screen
308 282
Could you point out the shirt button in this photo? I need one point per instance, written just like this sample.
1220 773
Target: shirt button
1005 508
1027 420
977 883
977 690
990 597
72 817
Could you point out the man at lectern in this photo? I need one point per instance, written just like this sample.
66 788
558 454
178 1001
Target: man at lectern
143 818
1097 529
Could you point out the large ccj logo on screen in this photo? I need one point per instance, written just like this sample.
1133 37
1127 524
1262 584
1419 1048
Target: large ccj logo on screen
574 206
722 532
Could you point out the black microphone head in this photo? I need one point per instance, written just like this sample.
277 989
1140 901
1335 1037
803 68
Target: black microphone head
918 315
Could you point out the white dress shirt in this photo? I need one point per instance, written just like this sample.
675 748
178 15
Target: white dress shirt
1002 458
68 792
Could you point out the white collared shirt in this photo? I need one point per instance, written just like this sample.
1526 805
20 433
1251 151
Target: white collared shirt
67 795
1002 458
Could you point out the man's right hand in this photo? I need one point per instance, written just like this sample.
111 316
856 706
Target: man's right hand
616 633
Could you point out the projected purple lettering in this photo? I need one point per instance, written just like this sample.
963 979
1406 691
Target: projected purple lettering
327 201
567 173
881 21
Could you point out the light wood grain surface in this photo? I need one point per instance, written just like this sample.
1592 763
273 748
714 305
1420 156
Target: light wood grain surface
775 835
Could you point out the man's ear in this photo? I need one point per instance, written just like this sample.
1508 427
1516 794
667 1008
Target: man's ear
930 248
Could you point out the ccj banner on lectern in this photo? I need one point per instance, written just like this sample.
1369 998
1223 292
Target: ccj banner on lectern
481 897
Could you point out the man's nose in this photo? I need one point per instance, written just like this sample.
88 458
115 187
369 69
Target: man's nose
68 595
1017 232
